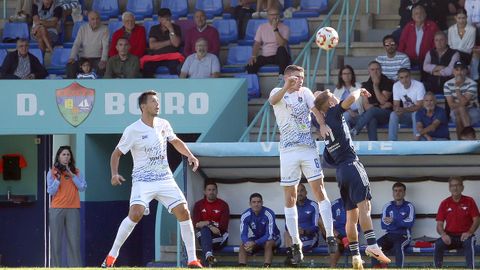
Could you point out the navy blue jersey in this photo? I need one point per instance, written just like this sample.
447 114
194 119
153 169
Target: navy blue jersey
259 228
403 217
339 215
338 146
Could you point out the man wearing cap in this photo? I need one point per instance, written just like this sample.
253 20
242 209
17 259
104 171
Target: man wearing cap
461 95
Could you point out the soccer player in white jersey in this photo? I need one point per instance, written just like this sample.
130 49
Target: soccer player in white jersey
152 178
292 105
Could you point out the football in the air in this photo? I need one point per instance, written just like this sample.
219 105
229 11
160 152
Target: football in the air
327 38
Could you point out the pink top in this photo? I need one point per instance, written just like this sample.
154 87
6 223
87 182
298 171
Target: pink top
266 37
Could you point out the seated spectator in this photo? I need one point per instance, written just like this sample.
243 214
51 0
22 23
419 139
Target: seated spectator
431 121
308 216
210 218
377 107
407 100
86 71
339 221
457 221
46 22
20 64
438 64
91 43
397 220
202 64
133 32
258 231
408 44
124 64
272 39
164 42
461 95
23 11
468 134
345 85
201 30
393 60
461 36
242 14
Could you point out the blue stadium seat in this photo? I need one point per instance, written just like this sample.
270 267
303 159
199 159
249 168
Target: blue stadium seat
114 26
13 31
298 30
253 84
227 29
141 8
106 8
59 60
3 54
166 76
162 70
179 8
148 25
237 59
212 8
76 27
252 27
269 69
38 53
311 8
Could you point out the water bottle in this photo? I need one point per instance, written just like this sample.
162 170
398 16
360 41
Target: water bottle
9 193
312 263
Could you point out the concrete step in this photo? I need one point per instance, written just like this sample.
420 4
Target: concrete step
376 35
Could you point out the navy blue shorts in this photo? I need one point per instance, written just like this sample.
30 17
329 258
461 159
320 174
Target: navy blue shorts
353 182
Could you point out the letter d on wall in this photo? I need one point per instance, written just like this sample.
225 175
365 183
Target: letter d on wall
26 104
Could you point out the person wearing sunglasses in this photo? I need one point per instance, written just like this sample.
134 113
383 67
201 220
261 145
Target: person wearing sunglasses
392 60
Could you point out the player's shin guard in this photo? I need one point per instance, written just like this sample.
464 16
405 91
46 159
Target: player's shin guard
325 208
291 220
126 227
188 237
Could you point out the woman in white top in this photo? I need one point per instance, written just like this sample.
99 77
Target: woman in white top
461 36
346 84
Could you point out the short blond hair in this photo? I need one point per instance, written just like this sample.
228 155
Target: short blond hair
322 100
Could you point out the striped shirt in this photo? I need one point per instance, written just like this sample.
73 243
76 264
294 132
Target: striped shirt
468 86
90 75
390 66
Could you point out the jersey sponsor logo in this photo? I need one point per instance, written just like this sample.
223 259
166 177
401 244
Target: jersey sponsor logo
144 137
75 102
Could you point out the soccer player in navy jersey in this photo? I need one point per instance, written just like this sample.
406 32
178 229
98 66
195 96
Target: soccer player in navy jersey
351 176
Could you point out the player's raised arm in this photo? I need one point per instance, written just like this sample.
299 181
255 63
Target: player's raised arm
354 96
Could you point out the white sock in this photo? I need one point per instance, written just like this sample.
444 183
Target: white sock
291 220
188 237
126 227
325 208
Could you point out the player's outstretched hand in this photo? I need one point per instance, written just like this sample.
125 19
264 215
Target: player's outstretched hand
193 161
364 92
325 131
291 81
117 180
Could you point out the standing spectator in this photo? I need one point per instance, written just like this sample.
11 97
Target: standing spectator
407 100
272 39
202 64
457 221
461 95
461 36
86 71
438 64
339 221
345 85
242 14
432 122
201 30
46 22
378 106
417 36
23 11
398 217
164 42
20 64
258 231
91 43
135 34
210 218
64 181
124 64
393 60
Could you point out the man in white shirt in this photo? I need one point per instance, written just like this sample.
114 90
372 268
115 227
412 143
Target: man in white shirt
201 64
152 178
410 93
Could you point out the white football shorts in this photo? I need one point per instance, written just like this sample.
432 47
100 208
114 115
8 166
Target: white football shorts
295 162
166 192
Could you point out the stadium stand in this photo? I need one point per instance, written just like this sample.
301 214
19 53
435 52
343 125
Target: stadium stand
38 53
179 8
237 59
212 8
13 31
227 29
141 8
3 54
253 84
252 27
311 8
298 30
76 27
114 25
59 61
106 8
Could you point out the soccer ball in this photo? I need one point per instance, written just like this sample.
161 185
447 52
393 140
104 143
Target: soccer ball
327 38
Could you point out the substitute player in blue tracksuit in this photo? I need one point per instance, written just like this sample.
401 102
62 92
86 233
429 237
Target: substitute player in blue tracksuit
398 217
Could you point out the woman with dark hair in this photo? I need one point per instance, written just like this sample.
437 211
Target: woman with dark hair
345 85
461 36
64 181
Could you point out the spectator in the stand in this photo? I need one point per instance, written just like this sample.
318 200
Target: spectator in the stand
263 6
86 71
91 43
407 100
133 32
437 11
339 215
20 64
272 38
431 121
417 36
258 231
164 42
393 60
210 219
461 36
377 107
345 85
468 134
461 95
457 221
201 30
438 64
46 22
124 64
405 9
23 11
242 14
202 64
398 217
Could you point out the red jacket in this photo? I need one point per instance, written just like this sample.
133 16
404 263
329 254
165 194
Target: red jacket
217 212
408 39
138 41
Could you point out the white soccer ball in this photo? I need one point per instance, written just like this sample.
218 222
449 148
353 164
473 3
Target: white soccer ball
327 38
